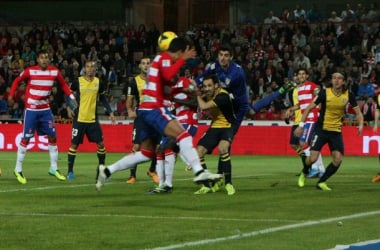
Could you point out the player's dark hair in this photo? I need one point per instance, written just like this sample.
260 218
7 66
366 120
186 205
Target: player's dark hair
213 77
178 44
301 69
142 58
43 51
226 47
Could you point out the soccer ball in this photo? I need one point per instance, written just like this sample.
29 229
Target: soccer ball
165 39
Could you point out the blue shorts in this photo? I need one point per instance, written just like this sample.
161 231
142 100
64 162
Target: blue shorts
41 121
307 131
154 122
192 129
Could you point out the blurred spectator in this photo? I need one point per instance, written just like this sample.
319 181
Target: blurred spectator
17 61
299 39
28 52
152 38
323 79
62 111
3 85
366 89
121 106
347 14
259 88
286 16
324 62
120 68
313 14
3 105
111 76
16 111
348 62
334 18
365 69
113 104
349 116
372 14
302 61
271 18
298 12
377 72
368 110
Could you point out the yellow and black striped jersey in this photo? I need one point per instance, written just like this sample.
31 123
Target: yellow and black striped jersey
223 114
297 113
135 88
87 92
333 108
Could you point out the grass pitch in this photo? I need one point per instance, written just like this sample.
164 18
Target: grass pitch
268 210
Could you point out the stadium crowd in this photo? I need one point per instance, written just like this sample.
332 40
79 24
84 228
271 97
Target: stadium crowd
270 52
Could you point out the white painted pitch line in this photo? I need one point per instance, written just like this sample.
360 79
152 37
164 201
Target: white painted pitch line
25 189
265 231
140 217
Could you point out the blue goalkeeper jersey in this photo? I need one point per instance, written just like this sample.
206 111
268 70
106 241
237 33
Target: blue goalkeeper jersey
232 80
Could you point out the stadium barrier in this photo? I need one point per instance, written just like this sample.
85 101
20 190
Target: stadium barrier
252 139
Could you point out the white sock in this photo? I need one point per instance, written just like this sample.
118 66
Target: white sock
21 152
184 161
169 168
53 153
320 165
189 153
160 171
128 161
307 151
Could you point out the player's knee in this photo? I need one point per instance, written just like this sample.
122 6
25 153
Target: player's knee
201 151
184 135
24 142
185 141
223 150
337 161
160 149
52 140
135 147
337 158
101 145
223 147
148 153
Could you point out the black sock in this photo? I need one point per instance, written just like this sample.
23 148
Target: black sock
71 159
133 171
225 166
107 172
203 162
152 167
101 153
330 170
306 168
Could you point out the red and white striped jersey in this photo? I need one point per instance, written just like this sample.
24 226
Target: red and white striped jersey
306 94
39 85
157 90
184 113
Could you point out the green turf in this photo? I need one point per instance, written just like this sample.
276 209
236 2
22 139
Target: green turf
268 210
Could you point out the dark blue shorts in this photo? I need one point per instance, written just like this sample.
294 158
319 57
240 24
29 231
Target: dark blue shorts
41 121
153 123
